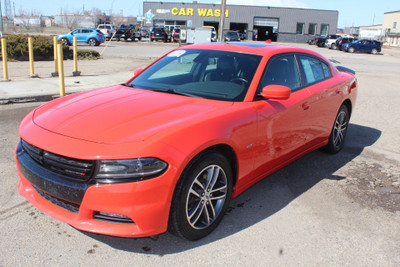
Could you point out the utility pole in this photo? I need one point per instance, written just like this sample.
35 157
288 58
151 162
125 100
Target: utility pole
221 22
1 20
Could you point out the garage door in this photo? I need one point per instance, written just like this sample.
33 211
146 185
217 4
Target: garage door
268 22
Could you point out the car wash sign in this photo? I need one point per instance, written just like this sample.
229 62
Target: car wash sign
201 12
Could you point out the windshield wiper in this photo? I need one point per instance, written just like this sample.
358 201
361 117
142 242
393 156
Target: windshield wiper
172 91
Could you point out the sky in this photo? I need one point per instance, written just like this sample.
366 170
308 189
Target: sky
351 12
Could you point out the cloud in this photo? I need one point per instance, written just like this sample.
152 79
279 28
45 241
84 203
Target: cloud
274 3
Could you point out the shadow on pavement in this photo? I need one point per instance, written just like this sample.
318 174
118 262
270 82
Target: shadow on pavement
262 200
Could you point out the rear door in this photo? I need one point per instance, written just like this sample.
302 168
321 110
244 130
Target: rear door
325 96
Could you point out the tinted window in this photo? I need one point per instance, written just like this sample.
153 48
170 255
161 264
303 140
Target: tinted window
281 70
86 31
315 70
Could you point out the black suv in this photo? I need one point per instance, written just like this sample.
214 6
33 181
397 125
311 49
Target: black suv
159 33
343 40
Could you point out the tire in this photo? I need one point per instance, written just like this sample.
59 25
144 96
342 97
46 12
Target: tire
351 50
333 46
65 41
93 42
201 196
374 51
339 131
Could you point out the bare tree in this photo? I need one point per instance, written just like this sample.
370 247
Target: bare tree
95 14
118 19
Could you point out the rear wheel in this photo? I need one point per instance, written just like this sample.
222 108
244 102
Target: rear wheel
374 51
93 42
351 50
339 131
201 196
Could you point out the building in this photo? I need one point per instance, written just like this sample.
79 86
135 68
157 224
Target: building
372 32
391 24
255 22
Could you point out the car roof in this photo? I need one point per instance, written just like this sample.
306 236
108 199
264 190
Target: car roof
257 48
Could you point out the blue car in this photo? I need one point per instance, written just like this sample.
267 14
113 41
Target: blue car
363 45
92 37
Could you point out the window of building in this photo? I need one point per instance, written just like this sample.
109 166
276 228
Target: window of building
324 29
312 28
394 25
300 28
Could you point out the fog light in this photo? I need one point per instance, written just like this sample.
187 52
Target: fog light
112 217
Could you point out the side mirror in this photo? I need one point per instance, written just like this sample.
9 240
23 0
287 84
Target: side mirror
136 72
276 92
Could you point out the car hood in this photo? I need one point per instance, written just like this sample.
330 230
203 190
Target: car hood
121 114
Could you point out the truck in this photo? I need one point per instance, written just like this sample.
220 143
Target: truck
128 32
108 30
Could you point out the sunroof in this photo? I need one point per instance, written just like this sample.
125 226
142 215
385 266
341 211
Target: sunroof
250 44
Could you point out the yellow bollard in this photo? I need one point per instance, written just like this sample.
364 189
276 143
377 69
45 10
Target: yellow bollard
75 56
55 42
61 69
4 58
31 60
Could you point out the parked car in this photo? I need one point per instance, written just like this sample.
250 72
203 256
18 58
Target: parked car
331 40
175 34
128 32
320 41
231 36
108 30
213 32
169 148
343 40
92 37
363 45
144 33
311 41
159 34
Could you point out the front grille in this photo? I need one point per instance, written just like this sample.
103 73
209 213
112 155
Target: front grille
74 168
72 207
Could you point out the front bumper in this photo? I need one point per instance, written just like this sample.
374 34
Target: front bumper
146 203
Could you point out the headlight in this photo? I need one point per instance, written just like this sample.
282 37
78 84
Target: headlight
136 169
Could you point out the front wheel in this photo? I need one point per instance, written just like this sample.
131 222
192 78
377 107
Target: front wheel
65 41
351 50
92 42
201 197
339 131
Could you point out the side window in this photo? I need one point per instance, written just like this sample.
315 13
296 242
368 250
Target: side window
86 31
101 27
281 70
315 70
75 31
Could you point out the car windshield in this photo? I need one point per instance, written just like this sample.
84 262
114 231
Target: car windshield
210 74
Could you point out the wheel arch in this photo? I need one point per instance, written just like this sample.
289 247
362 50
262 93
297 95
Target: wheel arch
225 150
349 106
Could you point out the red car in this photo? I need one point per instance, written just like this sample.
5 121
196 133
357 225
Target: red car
172 146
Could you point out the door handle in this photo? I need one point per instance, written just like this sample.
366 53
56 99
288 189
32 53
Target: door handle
306 105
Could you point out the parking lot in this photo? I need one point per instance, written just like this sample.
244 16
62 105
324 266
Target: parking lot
336 210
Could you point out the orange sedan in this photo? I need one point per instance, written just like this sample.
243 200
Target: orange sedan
168 149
